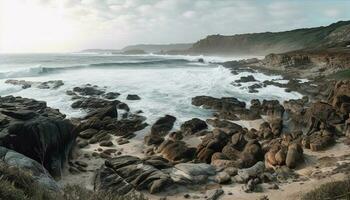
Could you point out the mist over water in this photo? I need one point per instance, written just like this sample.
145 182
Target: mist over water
165 84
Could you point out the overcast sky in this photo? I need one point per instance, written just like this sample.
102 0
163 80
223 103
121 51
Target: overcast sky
71 25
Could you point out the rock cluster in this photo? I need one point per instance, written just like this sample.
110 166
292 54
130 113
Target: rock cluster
123 174
37 131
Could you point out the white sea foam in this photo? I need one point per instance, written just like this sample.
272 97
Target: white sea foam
164 88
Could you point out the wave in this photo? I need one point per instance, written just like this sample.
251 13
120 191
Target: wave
39 70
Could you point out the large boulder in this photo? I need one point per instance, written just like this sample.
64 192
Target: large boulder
9 158
193 126
340 96
124 174
37 131
163 125
176 151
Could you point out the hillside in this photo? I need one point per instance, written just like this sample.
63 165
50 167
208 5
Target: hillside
156 48
274 42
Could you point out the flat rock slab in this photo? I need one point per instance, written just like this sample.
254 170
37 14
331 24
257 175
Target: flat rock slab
196 169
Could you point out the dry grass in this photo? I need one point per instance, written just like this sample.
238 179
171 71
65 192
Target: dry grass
16 184
338 190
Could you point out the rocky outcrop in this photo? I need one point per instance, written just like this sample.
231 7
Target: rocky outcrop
41 85
227 107
193 126
125 174
160 129
37 131
38 173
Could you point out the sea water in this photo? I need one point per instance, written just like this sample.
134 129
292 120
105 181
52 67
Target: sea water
166 84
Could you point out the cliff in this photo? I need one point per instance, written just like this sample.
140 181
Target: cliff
274 42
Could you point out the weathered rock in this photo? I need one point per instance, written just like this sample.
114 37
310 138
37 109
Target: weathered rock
214 194
46 137
193 126
88 90
88 133
111 95
245 79
243 175
176 151
340 96
123 174
133 97
222 177
294 155
163 125
37 171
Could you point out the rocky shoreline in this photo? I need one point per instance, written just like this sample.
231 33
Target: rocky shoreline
202 159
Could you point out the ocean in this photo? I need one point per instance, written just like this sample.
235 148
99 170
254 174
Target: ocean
165 84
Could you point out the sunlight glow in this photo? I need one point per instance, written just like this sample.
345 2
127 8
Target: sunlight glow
29 27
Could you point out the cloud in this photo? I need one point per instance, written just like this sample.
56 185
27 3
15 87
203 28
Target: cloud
116 23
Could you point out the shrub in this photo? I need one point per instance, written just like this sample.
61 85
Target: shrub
330 191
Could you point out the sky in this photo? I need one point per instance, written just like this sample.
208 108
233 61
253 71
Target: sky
73 25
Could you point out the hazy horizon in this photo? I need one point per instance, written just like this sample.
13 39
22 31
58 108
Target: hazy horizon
74 25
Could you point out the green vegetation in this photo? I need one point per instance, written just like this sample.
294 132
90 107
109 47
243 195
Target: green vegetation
16 184
330 191
275 42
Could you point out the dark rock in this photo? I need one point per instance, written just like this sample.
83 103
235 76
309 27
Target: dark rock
88 133
163 125
111 95
192 126
133 97
245 79
44 136
88 91
106 144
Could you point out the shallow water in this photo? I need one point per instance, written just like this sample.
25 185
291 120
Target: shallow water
165 84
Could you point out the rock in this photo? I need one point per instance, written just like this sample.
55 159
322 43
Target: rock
214 194
225 103
111 95
23 163
196 169
153 139
250 185
88 90
340 95
294 155
101 113
192 126
93 103
81 163
163 125
176 135
243 175
83 144
20 114
245 79
46 137
124 174
122 141
176 151
41 85
211 143
88 133
272 108
232 171
222 177
133 97
106 144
